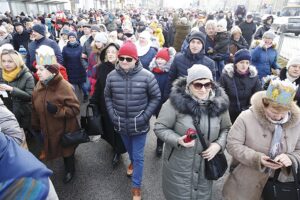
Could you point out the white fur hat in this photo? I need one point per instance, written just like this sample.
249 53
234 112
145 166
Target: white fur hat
295 60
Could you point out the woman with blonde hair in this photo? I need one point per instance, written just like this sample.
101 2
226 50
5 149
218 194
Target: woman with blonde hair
16 86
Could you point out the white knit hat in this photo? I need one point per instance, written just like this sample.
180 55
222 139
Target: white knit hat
295 60
101 37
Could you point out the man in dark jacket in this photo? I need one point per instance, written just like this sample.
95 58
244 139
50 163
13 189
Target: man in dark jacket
248 28
39 34
183 61
132 96
21 37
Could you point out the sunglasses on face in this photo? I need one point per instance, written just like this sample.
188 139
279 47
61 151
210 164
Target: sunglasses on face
199 86
127 59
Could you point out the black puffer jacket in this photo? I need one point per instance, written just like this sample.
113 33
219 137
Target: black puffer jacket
183 61
246 86
131 99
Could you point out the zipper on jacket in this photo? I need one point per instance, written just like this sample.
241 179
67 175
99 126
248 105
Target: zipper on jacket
172 150
126 102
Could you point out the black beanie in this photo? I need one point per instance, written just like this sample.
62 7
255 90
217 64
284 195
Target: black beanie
39 28
199 36
242 54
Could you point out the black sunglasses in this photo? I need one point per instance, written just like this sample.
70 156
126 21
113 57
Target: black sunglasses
199 86
127 59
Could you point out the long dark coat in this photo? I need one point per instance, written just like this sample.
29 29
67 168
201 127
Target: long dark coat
60 93
109 134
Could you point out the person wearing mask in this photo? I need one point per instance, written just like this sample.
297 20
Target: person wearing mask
240 81
262 139
145 51
76 72
183 61
248 28
264 56
17 83
109 58
196 103
128 84
39 36
21 38
267 22
54 112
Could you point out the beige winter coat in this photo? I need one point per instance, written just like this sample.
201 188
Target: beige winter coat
248 139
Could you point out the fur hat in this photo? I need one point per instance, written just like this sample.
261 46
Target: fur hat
295 60
242 54
128 49
198 71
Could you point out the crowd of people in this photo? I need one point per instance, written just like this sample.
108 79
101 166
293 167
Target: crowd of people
196 72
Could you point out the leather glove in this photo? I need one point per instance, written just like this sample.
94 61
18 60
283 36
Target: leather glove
51 108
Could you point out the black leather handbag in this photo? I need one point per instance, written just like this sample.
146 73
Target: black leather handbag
74 138
276 190
92 123
216 167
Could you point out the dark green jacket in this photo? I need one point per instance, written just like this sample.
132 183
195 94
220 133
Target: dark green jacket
19 100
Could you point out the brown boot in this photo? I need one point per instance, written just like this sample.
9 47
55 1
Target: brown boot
136 194
42 155
129 170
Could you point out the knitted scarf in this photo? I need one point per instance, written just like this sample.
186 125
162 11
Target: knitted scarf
12 75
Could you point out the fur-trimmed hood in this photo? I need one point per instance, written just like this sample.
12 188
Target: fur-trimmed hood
229 70
258 110
167 66
185 104
259 43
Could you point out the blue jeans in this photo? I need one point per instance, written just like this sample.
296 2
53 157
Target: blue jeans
135 148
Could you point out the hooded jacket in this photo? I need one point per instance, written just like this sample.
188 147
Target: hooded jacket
183 168
246 86
183 61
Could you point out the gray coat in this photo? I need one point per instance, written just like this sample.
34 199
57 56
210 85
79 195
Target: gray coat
9 125
19 101
131 99
183 168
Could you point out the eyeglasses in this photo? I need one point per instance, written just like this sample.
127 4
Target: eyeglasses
127 59
199 86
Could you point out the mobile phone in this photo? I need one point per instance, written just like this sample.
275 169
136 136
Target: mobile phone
191 134
273 161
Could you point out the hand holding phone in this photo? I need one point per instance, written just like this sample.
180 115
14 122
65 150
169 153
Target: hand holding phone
191 134
273 161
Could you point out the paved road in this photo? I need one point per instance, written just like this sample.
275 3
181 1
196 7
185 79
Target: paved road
96 180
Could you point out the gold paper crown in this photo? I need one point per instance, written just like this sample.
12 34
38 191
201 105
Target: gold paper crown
281 92
45 56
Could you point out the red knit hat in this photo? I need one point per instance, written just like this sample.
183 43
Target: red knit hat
128 49
164 54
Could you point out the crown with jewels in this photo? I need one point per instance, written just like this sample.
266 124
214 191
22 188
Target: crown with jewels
281 92
45 56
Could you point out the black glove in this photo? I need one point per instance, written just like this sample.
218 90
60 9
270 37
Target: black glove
51 108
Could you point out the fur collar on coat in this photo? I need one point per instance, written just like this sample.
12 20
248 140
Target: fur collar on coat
229 70
185 104
257 109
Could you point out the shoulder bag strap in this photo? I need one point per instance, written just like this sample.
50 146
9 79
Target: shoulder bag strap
237 94
200 135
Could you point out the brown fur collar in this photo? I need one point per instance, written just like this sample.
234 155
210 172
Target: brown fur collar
257 109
